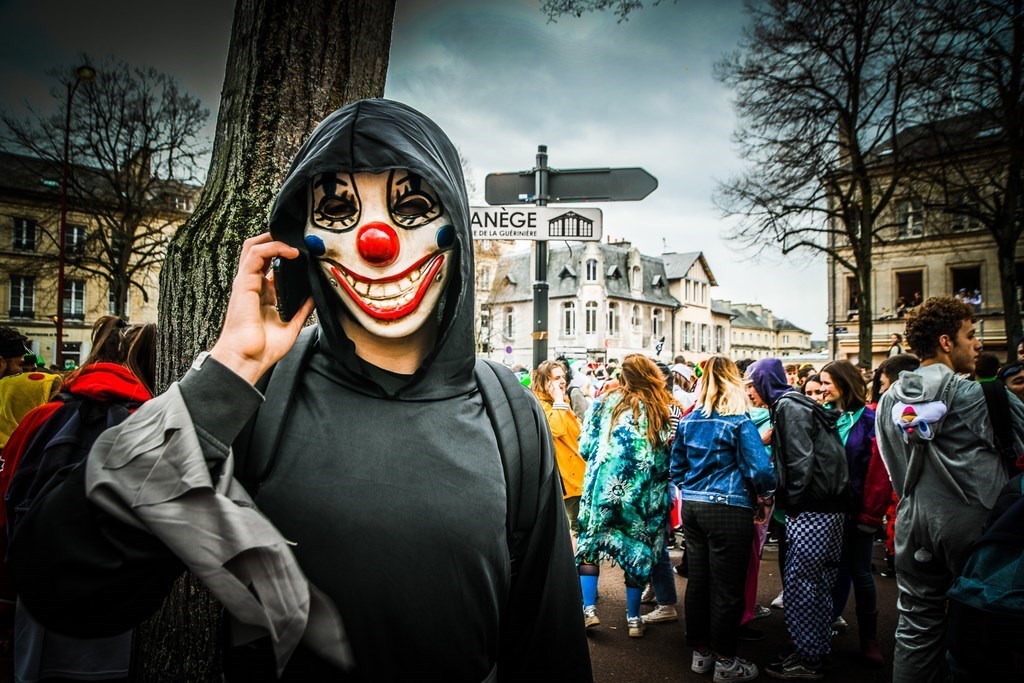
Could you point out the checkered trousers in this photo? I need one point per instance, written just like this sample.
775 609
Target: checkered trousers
812 560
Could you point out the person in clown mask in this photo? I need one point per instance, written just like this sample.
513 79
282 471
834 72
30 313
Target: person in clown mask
354 524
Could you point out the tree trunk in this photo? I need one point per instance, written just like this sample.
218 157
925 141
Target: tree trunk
865 315
1011 305
289 65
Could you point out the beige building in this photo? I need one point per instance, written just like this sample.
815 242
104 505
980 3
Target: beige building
756 332
697 331
926 249
29 224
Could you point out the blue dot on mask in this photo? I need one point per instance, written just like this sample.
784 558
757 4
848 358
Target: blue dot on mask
315 245
445 236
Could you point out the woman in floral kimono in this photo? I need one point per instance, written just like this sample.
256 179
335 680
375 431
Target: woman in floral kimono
622 511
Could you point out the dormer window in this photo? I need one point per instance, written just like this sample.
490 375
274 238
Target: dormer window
658 282
510 279
591 270
614 273
567 271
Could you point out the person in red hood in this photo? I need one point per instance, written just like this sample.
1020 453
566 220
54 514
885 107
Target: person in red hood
121 371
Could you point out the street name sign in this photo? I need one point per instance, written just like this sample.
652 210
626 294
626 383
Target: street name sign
571 185
539 223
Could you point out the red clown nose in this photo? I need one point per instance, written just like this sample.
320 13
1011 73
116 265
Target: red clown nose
377 244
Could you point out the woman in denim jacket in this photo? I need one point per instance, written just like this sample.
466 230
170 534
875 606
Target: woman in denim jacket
724 474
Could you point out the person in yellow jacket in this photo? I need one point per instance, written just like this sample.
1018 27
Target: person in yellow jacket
20 391
548 384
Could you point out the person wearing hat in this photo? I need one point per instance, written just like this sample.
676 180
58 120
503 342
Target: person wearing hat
682 389
20 391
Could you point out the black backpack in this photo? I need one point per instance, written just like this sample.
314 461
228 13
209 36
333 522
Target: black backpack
997 400
829 475
61 444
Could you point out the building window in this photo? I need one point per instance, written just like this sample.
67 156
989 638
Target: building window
687 336
591 270
785 339
851 294
74 239
24 234
909 285
634 318
591 315
484 280
719 339
74 299
23 296
910 222
509 323
656 323
705 338
967 285
635 281
613 319
569 319
688 294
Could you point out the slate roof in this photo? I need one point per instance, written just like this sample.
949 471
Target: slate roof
750 320
678 265
513 279
32 177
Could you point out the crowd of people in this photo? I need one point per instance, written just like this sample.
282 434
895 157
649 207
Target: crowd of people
369 501
807 455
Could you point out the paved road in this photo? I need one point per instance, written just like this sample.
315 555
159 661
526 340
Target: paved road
662 654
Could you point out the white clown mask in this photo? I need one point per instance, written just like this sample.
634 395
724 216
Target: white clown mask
385 244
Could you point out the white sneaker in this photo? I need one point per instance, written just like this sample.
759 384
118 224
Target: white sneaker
661 615
702 664
777 602
735 669
636 627
760 612
648 596
839 624
590 619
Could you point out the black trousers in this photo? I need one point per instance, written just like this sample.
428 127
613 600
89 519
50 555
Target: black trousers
718 539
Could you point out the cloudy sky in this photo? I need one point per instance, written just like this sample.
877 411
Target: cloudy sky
501 80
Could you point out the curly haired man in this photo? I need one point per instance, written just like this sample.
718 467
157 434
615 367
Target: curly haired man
936 439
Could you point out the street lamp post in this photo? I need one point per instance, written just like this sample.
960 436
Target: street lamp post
83 73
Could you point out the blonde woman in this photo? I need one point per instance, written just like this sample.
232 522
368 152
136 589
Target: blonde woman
724 474
622 512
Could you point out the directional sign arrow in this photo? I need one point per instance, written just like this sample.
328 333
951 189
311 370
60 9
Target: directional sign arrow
571 185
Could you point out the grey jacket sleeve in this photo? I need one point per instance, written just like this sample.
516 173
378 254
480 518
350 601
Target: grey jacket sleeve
120 571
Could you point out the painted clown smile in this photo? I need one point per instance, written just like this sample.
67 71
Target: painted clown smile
390 298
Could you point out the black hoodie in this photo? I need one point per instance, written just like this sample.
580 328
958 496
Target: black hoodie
391 487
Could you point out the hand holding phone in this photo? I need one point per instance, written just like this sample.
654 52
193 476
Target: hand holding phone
254 336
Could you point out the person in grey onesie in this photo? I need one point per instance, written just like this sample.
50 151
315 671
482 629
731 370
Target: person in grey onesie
937 441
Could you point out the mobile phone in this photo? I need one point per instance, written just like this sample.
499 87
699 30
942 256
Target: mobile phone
291 284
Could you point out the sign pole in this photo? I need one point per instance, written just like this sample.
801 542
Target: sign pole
540 283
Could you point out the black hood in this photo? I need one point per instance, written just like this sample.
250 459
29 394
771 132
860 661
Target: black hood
376 136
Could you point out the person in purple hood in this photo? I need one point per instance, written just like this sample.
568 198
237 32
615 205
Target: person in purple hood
812 481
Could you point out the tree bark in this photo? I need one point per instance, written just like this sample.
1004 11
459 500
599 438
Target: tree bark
289 65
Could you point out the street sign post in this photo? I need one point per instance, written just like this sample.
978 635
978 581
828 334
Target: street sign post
534 223
543 186
571 185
